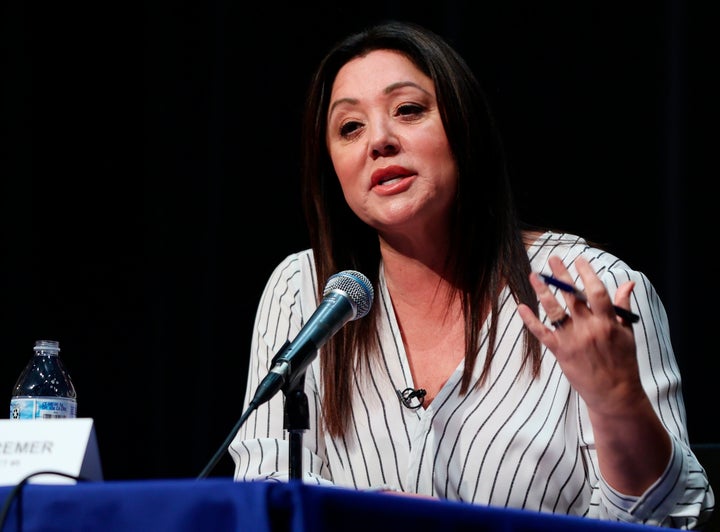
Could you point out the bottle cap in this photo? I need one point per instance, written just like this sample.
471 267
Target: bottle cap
47 345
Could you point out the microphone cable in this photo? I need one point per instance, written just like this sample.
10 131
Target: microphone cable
16 492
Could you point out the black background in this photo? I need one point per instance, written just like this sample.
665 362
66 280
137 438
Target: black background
150 184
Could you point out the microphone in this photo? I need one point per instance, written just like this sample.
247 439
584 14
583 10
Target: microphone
347 296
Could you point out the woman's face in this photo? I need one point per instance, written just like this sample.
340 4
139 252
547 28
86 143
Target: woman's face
388 145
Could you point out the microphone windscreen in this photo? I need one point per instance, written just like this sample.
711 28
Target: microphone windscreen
357 287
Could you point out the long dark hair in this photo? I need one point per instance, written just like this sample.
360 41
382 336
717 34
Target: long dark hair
487 251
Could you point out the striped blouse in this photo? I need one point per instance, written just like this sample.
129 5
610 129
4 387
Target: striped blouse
513 442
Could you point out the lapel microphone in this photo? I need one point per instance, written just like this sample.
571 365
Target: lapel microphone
412 398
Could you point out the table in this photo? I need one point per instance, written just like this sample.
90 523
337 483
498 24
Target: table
219 504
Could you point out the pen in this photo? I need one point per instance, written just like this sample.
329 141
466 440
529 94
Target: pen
565 287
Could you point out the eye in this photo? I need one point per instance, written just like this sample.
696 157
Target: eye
348 128
410 110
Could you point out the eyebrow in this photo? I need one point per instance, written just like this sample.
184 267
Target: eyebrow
389 89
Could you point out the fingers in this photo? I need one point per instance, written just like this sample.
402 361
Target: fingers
597 293
594 295
548 300
558 324
622 295
576 306
559 270
553 309
535 326
622 300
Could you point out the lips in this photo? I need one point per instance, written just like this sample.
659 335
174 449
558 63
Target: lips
389 176
390 180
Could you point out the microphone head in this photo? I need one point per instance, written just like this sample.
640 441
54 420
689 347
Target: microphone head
356 286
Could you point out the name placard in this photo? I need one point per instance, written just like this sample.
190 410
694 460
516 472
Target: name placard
66 446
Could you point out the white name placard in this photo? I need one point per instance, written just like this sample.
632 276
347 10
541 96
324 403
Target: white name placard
66 446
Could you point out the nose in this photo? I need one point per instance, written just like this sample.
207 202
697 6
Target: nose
383 141
384 151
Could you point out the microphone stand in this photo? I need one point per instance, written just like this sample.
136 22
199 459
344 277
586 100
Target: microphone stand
296 421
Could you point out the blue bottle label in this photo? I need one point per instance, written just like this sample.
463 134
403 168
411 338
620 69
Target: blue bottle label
42 408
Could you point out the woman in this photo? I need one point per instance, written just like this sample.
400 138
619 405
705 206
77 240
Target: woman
455 384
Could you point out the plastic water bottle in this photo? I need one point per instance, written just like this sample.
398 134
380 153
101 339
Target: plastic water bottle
44 389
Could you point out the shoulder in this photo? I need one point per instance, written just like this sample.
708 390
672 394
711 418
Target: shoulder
294 273
569 246
299 262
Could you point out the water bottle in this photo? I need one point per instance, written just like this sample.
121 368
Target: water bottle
44 389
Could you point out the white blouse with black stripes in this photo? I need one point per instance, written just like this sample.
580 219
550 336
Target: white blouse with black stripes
514 441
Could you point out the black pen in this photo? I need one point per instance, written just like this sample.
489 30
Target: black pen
631 317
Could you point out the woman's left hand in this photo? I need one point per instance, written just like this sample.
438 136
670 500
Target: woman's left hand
593 345
596 351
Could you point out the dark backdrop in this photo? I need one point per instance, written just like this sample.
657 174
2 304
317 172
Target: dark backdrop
149 184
